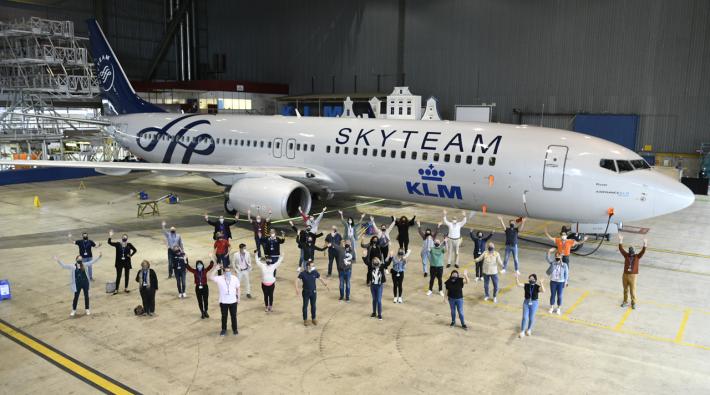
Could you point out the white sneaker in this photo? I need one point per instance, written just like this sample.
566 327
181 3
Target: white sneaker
428 292
399 300
528 332
495 300
517 272
394 300
558 311
73 313
552 309
521 335
184 295
441 293
88 312
485 299
502 271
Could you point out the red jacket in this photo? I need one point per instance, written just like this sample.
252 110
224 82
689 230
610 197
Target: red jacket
197 275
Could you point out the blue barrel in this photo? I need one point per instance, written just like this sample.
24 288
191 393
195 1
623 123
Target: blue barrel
143 195
5 290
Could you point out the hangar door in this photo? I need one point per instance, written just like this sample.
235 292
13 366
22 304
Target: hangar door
553 176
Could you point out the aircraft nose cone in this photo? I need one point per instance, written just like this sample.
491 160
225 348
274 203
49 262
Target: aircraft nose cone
670 195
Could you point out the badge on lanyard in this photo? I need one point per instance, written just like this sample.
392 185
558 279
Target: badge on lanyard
199 287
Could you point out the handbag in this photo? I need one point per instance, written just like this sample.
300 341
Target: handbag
110 287
138 310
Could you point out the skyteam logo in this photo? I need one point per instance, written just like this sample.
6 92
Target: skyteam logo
432 184
106 72
202 144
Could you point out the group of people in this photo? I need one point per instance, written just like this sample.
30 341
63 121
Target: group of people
230 270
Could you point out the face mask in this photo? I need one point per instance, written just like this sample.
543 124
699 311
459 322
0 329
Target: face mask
308 229
311 268
455 276
86 237
125 239
228 274
436 244
558 259
531 281
199 267
563 238
350 221
172 231
479 235
428 232
512 226
631 251
273 235
221 220
490 249
383 229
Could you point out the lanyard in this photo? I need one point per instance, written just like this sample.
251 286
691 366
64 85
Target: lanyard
226 282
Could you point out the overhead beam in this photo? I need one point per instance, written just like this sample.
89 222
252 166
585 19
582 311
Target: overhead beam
167 39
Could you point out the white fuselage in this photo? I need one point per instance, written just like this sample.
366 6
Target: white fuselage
514 170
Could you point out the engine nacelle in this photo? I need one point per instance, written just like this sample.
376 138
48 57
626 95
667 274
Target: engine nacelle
280 195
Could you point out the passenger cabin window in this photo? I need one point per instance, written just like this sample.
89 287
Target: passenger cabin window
425 156
436 157
457 159
383 153
480 160
327 149
313 147
345 150
447 157
403 155
393 154
469 159
608 164
269 144
414 155
337 149
492 161
640 164
624 166
364 152
354 150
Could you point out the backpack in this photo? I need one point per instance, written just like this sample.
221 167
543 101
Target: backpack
138 310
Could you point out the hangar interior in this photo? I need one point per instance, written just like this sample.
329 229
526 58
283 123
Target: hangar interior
635 73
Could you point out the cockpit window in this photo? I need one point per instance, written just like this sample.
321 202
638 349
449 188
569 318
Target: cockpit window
608 164
624 166
640 164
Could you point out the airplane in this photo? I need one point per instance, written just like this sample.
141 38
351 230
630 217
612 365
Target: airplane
281 162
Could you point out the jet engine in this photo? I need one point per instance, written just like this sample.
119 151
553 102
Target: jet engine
280 195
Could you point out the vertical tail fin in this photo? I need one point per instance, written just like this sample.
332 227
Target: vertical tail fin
114 84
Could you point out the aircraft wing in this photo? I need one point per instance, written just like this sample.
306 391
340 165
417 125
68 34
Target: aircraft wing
121 168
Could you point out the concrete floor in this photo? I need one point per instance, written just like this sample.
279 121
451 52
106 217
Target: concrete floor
663 347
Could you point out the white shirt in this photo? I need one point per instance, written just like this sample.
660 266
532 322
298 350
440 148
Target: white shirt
455 228
243 262
228 290
267 271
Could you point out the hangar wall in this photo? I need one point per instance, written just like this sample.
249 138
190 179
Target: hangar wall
647 57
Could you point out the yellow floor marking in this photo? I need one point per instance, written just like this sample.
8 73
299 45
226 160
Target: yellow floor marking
574 306
620 324
77 369
683 323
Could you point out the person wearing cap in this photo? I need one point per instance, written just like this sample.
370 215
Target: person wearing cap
221 250
85 245
179 264
332 239
308 292
242 262
399 262
229 297
260 226
124 252
202 290
222 225
268 279
147 285
172 238
79 280
454 293
631 270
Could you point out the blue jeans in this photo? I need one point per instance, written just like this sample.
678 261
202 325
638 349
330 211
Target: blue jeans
529 310
89 268
345 283
170 262
259 243
488 277
426 257
223 259
508 251
376 290
309 297
353 244
180 279
456 305
556 291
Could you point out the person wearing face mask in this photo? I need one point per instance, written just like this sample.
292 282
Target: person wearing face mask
372 251
437 253
378 279
399 263
272 245
148 285
344 257
302 240
202 290
268 279
383 236
260 227
558 271
79 280
332 239
351 231
454 236
403 225
511 241
308 292
311 221
222 225
179 264
229 298
427 243
532 290
309 250
631 270
85 246
124 252
491 261
479 246
221 250
564 244
172 239
242 262
454 292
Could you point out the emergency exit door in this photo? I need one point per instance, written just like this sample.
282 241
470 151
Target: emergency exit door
291 148
553 176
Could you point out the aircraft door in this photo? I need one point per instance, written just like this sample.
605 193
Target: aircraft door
553 176
276 147
291 148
